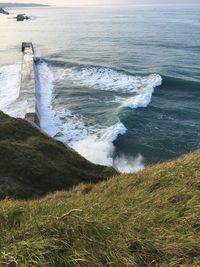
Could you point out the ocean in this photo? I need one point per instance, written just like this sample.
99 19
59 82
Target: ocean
119 84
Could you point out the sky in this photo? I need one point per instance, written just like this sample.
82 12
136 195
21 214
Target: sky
102 2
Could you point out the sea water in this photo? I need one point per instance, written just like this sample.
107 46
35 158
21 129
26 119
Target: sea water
119 84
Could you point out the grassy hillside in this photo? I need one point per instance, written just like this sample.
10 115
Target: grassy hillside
151 218
32 164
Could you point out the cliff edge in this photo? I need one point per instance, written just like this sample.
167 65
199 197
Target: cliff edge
33 164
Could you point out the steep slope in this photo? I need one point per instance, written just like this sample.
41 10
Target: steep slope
32 164
146 219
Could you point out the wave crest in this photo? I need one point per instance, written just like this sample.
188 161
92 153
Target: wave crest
109 79
132 91
144 94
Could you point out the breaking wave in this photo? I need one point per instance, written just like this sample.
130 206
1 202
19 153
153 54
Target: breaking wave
135 91
144 93
94 142
110 80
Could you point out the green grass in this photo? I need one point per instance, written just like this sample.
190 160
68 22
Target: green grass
33 164
151 218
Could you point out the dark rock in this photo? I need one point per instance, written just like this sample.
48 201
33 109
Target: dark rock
22 17
2 11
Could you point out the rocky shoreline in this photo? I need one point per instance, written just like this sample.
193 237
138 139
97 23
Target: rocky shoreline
19 17
2 11
22 17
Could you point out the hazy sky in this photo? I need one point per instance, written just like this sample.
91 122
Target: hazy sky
102 2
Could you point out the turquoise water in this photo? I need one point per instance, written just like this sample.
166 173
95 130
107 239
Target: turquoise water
120 84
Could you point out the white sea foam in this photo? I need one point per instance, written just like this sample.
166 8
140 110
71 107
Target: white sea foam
99 147
9 84
126 164
9 91
144 94
97 151
111 133
45 81
110 80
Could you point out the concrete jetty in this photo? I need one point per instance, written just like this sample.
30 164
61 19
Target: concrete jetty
27 92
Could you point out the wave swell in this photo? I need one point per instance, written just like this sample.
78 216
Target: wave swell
94 142
135 91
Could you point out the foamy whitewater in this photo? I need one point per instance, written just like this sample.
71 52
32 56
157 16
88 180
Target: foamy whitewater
9 87
94 142
107 79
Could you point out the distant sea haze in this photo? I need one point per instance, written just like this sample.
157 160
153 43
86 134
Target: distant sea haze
163 2
95 2
8 4
120 84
